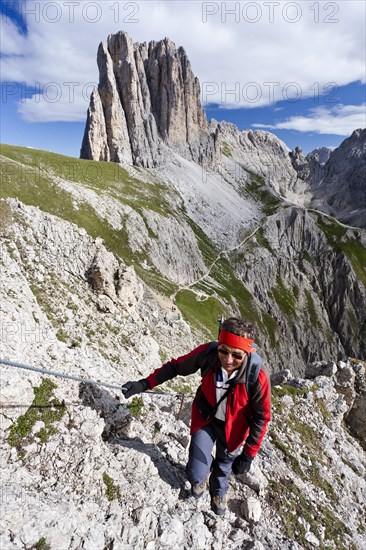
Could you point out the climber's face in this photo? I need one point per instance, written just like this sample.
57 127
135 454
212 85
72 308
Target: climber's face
230 358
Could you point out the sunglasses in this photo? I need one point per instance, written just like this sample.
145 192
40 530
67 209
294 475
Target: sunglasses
237 356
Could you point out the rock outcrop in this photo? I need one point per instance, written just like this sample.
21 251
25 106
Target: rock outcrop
148 104
308 168
260 154
147 98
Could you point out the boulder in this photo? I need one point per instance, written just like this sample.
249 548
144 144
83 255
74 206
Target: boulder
280 377
252 509
320 368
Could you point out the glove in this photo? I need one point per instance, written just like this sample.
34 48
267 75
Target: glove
241 464
132 388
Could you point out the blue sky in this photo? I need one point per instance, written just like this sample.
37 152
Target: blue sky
296 69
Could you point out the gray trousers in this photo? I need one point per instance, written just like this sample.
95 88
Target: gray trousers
201 461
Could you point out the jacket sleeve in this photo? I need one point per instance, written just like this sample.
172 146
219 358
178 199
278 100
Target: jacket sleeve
260 403
183 366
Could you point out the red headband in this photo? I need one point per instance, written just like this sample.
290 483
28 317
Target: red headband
234 341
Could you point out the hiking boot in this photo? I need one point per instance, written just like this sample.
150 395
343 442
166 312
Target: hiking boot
219 504
199 489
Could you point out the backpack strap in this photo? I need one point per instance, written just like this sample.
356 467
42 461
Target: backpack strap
206 366
253 368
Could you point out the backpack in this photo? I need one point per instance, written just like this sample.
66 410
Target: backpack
253 368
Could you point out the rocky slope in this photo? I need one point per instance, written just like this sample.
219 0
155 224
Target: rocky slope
299 272
81 467
260 153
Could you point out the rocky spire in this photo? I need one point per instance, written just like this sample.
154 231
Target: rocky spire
147 95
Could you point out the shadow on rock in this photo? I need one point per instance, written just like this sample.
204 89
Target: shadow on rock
173 474
118 419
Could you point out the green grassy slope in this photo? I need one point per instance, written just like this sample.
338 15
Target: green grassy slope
30 175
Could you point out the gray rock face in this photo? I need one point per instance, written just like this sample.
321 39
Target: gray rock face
247 153
252 509
306 287
338 186
147 97
280 377
96 145
308 168
112 282
343 189
322 153
322 368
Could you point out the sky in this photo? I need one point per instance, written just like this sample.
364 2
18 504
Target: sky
297 69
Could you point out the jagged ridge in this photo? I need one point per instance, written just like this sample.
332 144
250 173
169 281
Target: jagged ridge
338 185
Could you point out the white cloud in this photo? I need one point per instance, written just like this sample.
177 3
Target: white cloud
45 106
12 41
262 53
339 120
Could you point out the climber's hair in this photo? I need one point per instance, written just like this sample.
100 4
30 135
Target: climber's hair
240 327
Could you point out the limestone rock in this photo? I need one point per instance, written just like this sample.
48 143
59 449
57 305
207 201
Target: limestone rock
252 509
308 168
102 273
147 97
280 377
259 154
255 479
129 289
95 144
310 537
113 281
321 368
345 384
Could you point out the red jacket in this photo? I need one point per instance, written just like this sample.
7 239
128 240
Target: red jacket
246 419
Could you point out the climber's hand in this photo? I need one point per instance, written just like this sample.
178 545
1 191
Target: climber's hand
241 464
132 388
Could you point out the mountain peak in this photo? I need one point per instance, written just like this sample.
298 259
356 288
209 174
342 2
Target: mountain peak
147 97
